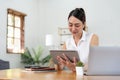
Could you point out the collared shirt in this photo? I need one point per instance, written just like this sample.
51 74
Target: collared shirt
82 46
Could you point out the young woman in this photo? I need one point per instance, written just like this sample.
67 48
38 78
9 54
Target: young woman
80 40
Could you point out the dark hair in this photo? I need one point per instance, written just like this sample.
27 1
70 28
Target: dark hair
79 13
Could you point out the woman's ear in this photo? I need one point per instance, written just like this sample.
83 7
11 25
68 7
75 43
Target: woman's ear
85 27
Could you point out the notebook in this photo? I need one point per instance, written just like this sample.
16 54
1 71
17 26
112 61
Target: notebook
69 53
104 61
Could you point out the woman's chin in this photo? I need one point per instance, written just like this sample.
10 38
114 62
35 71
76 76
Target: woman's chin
74 34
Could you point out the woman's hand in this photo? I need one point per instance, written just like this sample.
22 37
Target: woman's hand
66 62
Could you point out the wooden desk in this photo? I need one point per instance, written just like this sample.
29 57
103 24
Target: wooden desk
20 74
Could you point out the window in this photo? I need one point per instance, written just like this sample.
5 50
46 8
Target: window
15 31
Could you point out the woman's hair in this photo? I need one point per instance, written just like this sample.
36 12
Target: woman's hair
79 13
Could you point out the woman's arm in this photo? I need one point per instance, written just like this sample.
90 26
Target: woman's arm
94 40
64 46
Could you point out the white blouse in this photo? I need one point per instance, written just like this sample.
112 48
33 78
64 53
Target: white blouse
82 47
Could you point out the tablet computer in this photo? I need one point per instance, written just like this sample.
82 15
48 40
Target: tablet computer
69 53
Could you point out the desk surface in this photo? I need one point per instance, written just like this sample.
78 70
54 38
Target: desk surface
20 74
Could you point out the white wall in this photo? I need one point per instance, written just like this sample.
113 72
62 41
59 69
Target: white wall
32 27
102 17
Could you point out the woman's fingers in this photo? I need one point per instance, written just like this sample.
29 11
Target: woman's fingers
66 58
60 60
74 60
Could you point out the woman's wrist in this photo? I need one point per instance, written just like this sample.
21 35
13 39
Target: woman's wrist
72 68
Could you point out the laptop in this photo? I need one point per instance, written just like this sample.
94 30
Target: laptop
69 53
104 60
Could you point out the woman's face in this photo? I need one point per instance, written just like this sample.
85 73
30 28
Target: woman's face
75 26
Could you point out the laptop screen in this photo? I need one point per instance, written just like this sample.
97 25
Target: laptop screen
104 60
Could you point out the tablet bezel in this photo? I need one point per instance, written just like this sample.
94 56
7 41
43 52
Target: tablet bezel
69 53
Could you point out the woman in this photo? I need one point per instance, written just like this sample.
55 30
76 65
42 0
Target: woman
80 40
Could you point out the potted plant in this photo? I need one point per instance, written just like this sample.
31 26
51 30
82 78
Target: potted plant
79 68
33 57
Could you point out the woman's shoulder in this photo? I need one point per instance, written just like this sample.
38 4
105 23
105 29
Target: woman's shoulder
95 36
87 33
94 40
90 34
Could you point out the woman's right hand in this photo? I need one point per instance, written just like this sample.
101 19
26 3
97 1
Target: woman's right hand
66 62
60 65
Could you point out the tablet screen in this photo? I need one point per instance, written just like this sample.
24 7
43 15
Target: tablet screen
69 53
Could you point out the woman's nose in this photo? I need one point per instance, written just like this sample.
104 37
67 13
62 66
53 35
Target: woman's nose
73 28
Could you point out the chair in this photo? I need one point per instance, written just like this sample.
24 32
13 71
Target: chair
4 64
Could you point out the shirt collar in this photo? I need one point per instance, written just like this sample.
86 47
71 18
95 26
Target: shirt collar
83 36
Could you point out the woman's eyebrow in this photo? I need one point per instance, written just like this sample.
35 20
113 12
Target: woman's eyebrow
74 23
77 23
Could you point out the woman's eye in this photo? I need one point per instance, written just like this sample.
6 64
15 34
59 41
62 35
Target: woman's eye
77 26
